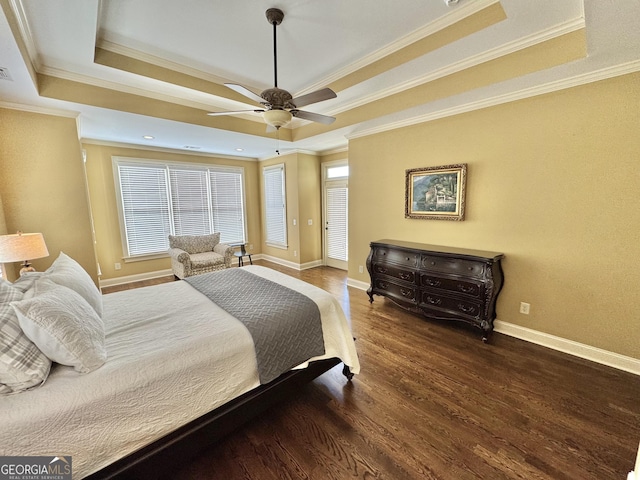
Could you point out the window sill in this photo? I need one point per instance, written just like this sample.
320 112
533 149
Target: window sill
143 258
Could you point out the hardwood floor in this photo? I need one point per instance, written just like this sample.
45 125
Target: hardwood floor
432 401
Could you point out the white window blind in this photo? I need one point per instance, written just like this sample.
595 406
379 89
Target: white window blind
159 199
145 207
190 202
275 205
337 223
227 202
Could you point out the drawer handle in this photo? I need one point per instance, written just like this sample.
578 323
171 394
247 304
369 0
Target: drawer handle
433 283
381 270
433 263
466 308
465 288
405 275
434 301
406 293
383 285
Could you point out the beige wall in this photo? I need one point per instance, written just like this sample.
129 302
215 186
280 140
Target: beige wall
304 202
310 208
553 183
42 185
105 211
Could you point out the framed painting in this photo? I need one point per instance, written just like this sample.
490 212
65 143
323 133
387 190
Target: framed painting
436 193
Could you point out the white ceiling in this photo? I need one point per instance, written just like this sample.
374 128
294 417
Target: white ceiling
318 42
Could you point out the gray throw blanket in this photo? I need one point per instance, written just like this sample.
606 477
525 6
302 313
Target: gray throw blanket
285 325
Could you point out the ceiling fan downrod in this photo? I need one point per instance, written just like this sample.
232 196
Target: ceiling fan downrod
275 17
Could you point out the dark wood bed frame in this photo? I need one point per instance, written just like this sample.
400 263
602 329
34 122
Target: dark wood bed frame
160 458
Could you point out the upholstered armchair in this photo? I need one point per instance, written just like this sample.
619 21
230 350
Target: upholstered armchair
196 254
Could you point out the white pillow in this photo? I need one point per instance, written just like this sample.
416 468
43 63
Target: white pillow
67 272
65 327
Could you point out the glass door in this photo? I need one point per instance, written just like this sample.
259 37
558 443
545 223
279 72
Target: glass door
336 217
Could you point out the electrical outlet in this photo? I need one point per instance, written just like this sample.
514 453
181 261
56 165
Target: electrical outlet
524 308
117 266
309 222
295 222
361 269
295 253
251 246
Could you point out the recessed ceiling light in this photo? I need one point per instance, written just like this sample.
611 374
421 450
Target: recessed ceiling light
239 149
148 137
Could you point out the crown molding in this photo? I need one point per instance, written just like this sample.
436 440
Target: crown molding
160 62
136 146
483 57
577 80
25 32
289 151
37 109
142 92
441 23
333 151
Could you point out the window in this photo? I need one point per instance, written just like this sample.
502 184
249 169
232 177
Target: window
275 205
337 171
158 199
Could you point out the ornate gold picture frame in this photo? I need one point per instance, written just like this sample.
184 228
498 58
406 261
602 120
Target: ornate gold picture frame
436 193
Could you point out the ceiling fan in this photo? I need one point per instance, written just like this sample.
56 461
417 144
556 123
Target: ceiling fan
279 105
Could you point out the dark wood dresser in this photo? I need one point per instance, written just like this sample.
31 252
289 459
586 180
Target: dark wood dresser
438 282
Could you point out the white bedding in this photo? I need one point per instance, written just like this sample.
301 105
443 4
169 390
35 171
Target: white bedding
172 356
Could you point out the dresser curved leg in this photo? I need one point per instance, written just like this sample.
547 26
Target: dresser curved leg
487 328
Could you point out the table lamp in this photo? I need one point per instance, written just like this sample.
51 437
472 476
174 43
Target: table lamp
22 247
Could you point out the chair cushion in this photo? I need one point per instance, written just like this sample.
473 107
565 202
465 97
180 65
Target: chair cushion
205 259
195 243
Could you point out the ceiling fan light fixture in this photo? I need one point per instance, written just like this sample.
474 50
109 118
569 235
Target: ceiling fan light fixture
277 118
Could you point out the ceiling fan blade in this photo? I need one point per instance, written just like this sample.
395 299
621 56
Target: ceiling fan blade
245 91
314 117
215 114
314 97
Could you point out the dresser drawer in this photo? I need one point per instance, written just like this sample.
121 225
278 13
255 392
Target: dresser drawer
467 308
388 255
394 290
470 288
452 265
396 272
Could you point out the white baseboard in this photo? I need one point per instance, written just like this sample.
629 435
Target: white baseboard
604 357
295 266
358 284
598 355
110 282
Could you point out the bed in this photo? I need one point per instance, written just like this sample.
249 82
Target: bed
180 372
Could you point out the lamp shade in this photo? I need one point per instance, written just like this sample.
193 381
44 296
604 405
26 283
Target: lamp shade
277 118
21 247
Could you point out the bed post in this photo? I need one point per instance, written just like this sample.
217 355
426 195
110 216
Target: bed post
346 371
